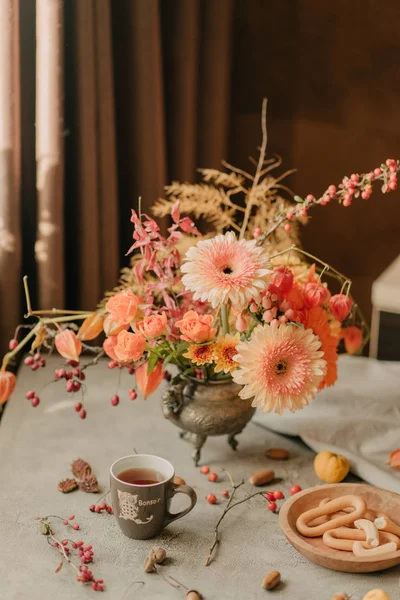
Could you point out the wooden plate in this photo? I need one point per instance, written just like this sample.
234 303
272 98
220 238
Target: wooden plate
315 550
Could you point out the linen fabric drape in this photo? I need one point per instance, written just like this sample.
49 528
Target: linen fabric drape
130 94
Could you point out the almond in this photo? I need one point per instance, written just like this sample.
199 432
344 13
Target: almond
262 477
277 454
179 480
271 580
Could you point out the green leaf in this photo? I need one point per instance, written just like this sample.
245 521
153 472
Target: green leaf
151 363
167 361
298 199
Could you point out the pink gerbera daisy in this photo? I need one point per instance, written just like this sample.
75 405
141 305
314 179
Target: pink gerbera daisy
224 268
281 367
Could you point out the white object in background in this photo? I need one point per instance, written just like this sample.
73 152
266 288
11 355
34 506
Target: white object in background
385 299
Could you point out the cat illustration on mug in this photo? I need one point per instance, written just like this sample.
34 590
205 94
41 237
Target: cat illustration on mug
129 509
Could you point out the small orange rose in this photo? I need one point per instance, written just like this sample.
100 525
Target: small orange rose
196 328
123 306
147 384
68 345
129 346
91 327
152 326
7 385
109 346
112 325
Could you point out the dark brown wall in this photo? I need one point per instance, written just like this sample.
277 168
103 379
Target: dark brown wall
331 72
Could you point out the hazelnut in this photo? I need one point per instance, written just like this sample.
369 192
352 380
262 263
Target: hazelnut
340 597
158 554
148 564
262 477
193 595
271 580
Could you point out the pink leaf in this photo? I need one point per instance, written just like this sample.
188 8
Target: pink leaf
175 213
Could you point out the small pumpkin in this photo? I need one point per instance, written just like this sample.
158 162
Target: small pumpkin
331 468
376 595
7 385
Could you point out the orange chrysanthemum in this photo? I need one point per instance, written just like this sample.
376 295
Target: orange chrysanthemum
200 354
317 320
224 351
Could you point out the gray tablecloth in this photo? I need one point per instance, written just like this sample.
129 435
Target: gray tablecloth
36 449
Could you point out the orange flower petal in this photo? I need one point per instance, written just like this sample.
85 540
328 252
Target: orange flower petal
7 385
91 327
68 345
147 384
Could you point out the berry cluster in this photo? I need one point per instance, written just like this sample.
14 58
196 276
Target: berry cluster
34 362
101 507
114 364
272 497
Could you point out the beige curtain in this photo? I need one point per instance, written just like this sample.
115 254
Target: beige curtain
130 94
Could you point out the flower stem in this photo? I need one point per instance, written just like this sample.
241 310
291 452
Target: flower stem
224 319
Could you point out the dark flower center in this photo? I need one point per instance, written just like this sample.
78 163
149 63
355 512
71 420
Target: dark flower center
281 367
227 270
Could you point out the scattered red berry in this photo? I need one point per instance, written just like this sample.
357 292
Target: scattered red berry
82 414
132 394
97 509
225 493
92 507
295 489
37 357
71 518
112 364
76 386
29 360
205 470
69 386
211 498
76 526
65 522
272 506
115 400
35 401
212 477
35 366
279 495
29 395
287 227
12 344
102 505
73 363
78 406
270 496
131 371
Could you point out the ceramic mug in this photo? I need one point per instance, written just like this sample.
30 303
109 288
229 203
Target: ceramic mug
142 511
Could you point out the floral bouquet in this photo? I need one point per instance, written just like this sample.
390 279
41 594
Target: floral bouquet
241 303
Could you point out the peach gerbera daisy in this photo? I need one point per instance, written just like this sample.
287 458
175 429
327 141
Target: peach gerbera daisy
317 319
281 367
224 268
200 354
224 350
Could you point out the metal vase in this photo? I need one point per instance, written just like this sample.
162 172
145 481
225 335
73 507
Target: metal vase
203 409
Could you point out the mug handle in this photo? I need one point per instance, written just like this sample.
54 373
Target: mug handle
181 489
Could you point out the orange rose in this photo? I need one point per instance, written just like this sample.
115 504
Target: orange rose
147 384
152 326
123 306
109 346
68 345
112 325
196 328
7 385
129 346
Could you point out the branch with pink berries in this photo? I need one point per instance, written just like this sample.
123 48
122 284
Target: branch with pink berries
351 187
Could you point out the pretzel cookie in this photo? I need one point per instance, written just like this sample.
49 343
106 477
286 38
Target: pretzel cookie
343 538
357 502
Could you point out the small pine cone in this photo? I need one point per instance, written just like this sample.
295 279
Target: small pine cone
90 484
67 485
80 468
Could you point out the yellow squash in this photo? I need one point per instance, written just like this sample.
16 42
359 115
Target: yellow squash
331 468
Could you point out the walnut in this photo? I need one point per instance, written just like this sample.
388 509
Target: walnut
80 468
89 484
67 485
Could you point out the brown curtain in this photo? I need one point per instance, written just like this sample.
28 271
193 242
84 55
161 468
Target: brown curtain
118 97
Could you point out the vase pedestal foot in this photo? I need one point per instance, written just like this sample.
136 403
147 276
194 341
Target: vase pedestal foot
232 441
198 442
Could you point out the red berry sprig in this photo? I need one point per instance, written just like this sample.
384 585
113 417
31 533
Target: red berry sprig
70 549
35 362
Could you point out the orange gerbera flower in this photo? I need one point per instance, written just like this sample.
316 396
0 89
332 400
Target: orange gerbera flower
224 351
200 354
317 319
